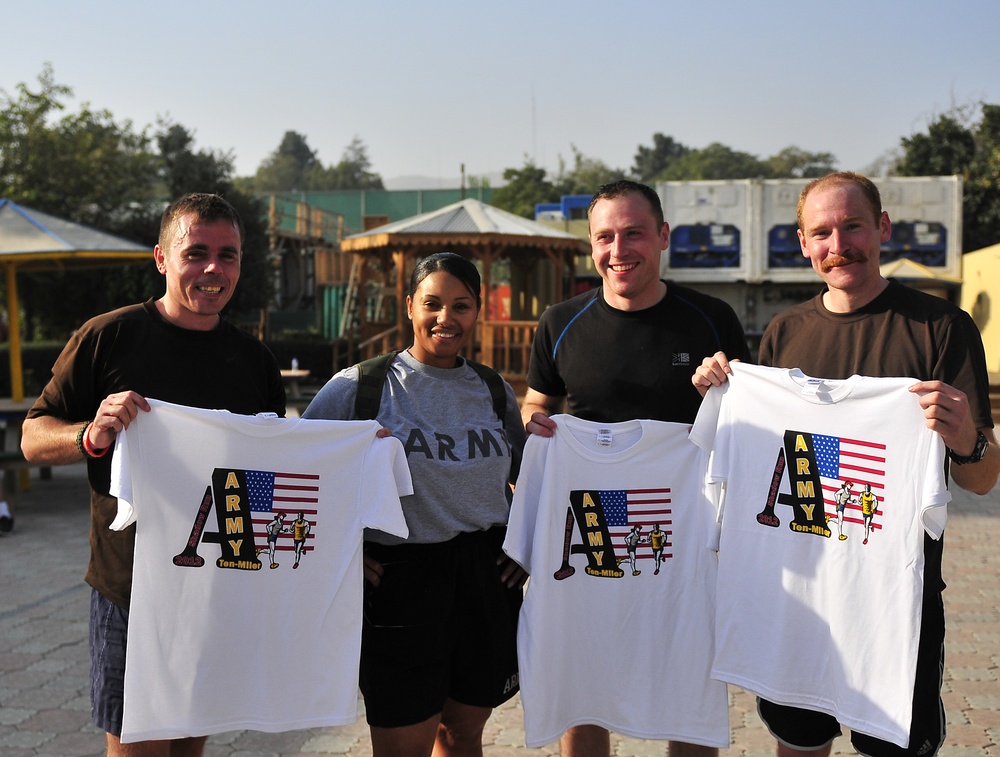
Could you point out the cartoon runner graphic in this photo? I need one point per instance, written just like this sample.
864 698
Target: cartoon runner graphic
869 506
274 528
300 530
632 540
657 540
843 498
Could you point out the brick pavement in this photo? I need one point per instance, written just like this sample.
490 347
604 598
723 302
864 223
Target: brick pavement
44 698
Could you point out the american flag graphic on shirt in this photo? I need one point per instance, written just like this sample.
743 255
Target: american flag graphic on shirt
625 508
840 459
276 492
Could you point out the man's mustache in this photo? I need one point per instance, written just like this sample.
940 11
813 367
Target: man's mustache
834 261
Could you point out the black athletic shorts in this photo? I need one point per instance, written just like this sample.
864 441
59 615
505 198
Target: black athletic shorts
809 730
439 626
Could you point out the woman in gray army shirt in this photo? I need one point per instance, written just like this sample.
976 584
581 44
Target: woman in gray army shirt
439 640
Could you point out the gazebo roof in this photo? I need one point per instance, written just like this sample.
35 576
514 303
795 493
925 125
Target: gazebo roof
34 239
465 223
910 270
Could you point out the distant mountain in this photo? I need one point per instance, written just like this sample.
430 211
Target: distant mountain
428 182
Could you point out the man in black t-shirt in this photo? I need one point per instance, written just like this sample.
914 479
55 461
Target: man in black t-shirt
865 324
624 351
178 349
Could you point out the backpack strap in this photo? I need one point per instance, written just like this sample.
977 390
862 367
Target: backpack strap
373 371
494 382
371 378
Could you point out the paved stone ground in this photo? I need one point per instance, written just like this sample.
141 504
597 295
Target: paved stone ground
44 698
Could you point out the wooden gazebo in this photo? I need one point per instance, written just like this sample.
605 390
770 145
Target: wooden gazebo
384 257
31 240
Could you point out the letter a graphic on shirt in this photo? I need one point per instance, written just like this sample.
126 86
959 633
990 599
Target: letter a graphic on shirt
235 519
592 521
806 498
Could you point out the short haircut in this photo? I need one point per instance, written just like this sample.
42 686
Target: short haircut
867 187
450 262
624 187
208 208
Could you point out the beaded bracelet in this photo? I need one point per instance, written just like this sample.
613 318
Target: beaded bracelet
79 438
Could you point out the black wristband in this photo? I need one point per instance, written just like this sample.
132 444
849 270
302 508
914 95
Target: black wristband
978 452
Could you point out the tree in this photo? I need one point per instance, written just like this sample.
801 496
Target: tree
525 187
586 175
85 167
289 167
717 161
651 163
795 163
964 141
352 172
184 170
948 147
669 160
294 167
982 191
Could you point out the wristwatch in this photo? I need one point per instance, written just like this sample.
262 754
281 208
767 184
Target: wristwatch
978 452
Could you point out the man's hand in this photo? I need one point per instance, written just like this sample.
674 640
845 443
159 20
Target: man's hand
540 424
115 414
713 371
536 409
511 574
947 413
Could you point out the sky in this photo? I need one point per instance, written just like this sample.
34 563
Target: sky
429 87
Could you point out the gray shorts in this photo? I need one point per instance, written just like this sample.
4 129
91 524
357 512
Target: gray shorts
108 634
